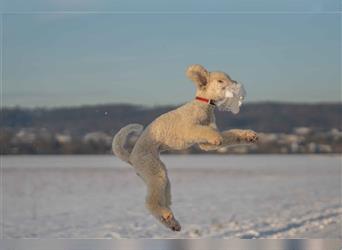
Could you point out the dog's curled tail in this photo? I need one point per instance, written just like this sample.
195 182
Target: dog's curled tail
125 140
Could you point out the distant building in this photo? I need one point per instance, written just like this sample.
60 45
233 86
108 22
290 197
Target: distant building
98 137
26 136
335 134
63 138
302 130
319 148
268 137
324 148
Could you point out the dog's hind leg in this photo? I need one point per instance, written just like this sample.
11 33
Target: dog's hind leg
168 193
153 172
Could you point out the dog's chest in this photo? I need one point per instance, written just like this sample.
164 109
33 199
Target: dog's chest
202 117
204 120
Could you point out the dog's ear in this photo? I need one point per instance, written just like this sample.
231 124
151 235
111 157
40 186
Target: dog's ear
198 74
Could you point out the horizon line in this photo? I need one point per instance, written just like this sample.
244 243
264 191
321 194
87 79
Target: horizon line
165 105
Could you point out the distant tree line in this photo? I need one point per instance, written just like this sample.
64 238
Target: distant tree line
266 117
47 126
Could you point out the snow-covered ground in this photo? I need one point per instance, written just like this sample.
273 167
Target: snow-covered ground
247 196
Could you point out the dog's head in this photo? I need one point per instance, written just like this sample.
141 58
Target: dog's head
217 86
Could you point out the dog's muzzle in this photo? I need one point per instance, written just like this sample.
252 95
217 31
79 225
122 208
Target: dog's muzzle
234 97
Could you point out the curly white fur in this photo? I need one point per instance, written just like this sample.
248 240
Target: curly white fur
192 123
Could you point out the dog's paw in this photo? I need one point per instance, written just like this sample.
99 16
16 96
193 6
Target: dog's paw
216 140
250 136
170 222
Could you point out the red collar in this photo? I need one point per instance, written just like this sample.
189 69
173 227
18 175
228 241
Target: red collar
209 101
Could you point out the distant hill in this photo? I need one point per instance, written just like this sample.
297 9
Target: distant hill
265 117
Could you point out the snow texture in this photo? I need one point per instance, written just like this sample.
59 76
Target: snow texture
213 197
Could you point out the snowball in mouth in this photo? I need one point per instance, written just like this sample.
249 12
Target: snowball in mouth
229 94
233 99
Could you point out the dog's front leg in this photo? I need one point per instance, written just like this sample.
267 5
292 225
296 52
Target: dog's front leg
238 136
208 147
232 137
205 134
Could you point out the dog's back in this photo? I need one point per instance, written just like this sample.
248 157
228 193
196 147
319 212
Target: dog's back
172 130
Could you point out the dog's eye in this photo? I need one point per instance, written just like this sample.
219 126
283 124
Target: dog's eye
220 81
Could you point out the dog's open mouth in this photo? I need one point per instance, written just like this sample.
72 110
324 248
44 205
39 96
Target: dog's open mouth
234 97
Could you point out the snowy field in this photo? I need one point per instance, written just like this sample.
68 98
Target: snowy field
248 196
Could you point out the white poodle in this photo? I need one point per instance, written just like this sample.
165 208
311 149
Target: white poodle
192 123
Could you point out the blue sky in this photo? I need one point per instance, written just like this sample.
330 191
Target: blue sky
66 58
